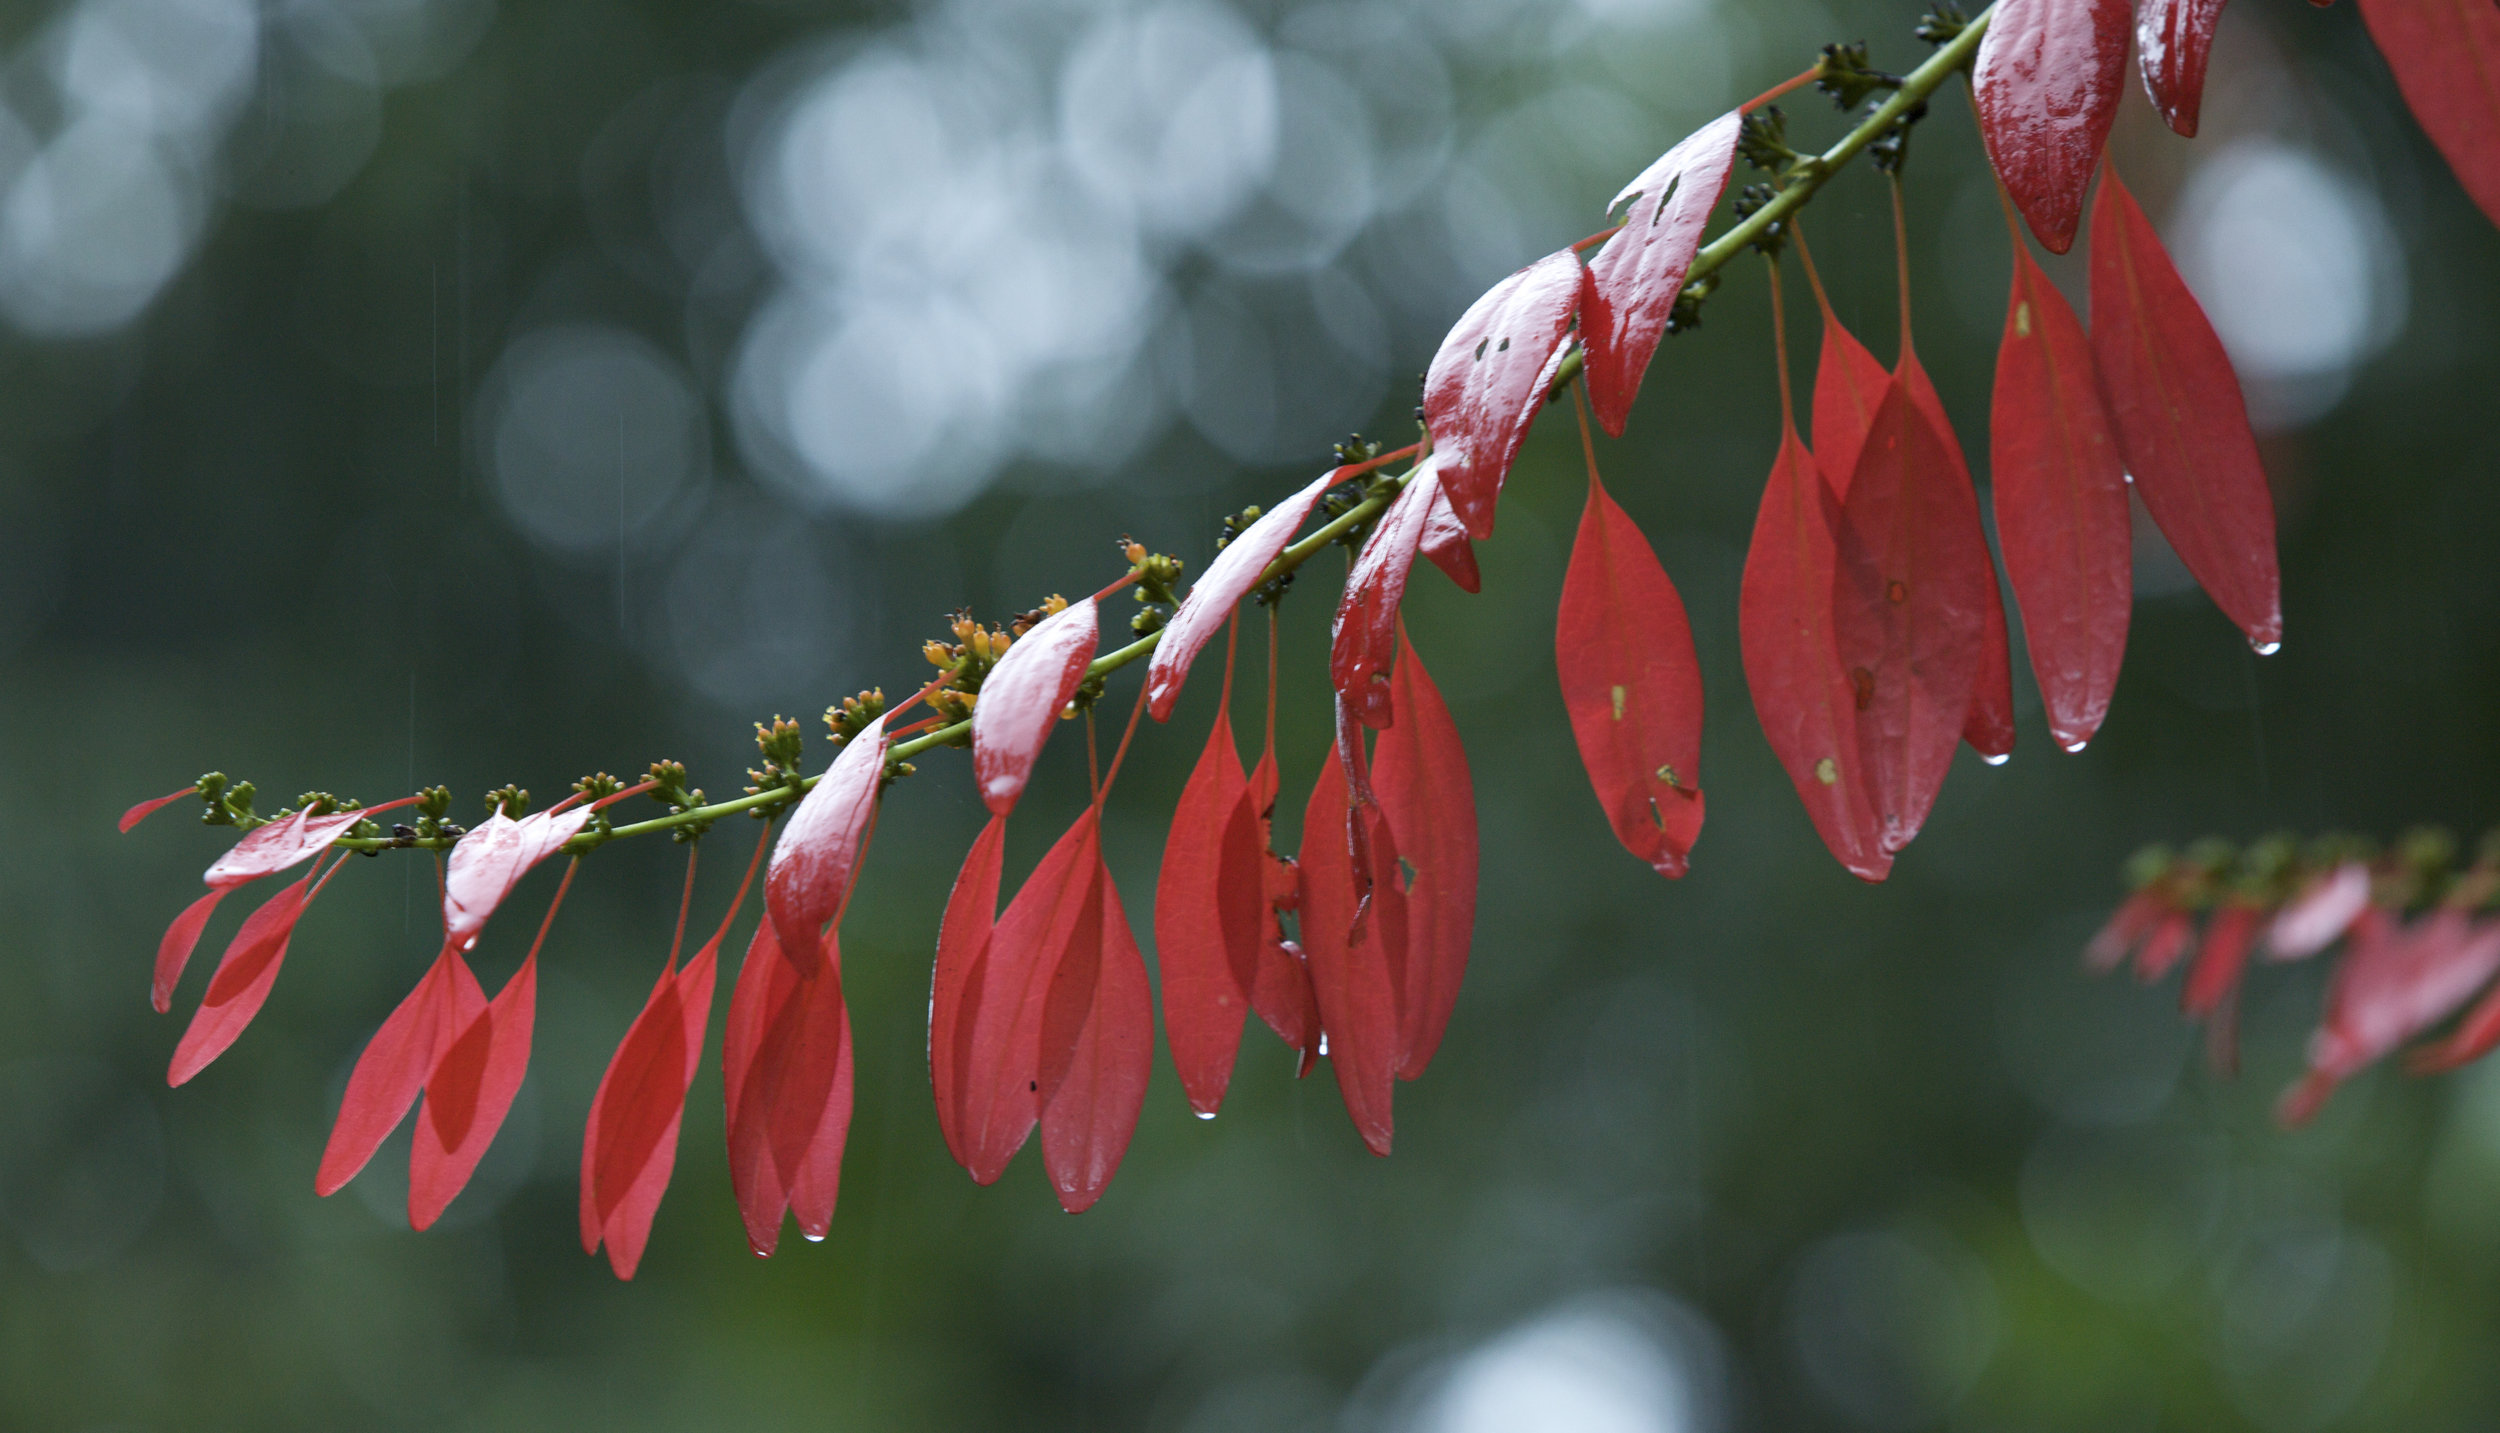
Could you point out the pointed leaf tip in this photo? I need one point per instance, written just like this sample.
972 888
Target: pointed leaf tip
1208 907
145 809
1490 377
817 859
2173 40
242 982
955 981
2046 86
1021 700
467 1095
2446 56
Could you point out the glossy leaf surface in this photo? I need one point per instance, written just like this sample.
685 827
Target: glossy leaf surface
1002 1079
1429 801
1021 700
1446 543
817 859
2060 493
2446 55
1490 377
1633 281
1989 725
2173 40
1849 381
2047 85
242 982
1091 1097
1631 685
1353 970
488 862
955 983
790 1109
2181 423
1209 905
1211 600
1364 636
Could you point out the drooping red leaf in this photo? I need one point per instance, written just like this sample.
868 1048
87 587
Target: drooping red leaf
1989 725
1091 1097
1021 700
817 859
627 1213
793 1099
1633 281
489 861
264 850
818 1183
2181 423
1445 542
173 951
471 1089
1280 990
1209 903
1420 773
766 979
2061 505
955 981
1354 969
1213 596
1364 636
2395 982
1849 383
630 1071
2446 55
1002 1079
1801 694
1490 377
2318 916
1631 685
2173 38
392 1070
2221 957
241 984
2047 86
145 809
1911 586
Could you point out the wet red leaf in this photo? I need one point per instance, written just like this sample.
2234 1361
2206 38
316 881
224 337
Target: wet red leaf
1911 585
2446 55
1100 1012
1849 382
1364 636
2047 84
816 861
468 1093
1633 281
488 862
1212 598
955 983
1801 693
790 1087
1491 376
1354 970
2172 41
392 1069
242 982
264 850
1631 685
627 1226
2061 505
1002 1079
1209 904
2181 423
1420 773
1021 700
1280 992
1989 725
1445 542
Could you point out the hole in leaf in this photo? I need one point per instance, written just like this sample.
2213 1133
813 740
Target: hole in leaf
1502 347
1664 200
1480 346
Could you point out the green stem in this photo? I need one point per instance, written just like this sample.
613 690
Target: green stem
1803 180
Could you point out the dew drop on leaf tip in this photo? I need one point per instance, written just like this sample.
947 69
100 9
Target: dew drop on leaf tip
2267 649
1999 759
2074 747
1204 1114
811 1238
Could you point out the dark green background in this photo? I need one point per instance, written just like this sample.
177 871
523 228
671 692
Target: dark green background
1903 1160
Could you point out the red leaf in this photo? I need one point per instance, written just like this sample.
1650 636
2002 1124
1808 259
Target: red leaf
818 856
2446 55
173 952
488 862
2181 423
393 1068
1631 685
264 850
1490 377
468 1094
1352 971
1091 1097
1281 990
1212 597
2171 939
1429 801
1912 582
1021 700
2395 982
1002 1078
2061 505
1801 693
627 1226
2318 916
2220 958
793 1098
1363 638
818 1184
145 809
1633 281
2172 40
955 983
1445 542
1848 384
1208 907
1989 725
236 993
2047 87
765 981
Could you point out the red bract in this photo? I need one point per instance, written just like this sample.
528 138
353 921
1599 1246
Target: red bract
2221 957
1631 685
1445 542
1212 598
1849 382
2172 40
145 809
1420 773
2126 929
1021 700
392 1070
1097 1048
1988 726
2182 425
1801 693
2061 505
819 854
1209 904
1363 638
1490 377
1633 282
1281 992
1000 1087
488 862
1912 581
2170 940
2394 982
2318 916
469 1091
1355 969
263 851
2446 55
786 1067
241 984
2046 86
955 981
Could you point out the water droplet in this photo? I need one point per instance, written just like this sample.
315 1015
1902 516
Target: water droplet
1323 1043
2075 746
1204 1114
811 1238
2267 649
1999 759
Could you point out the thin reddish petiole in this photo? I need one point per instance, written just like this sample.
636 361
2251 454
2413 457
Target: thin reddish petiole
1779 339
605 802
763 842
1356 470
1121 751
1588 444
1593 240
924 724
685 902
552 907
1797 81
1901 262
